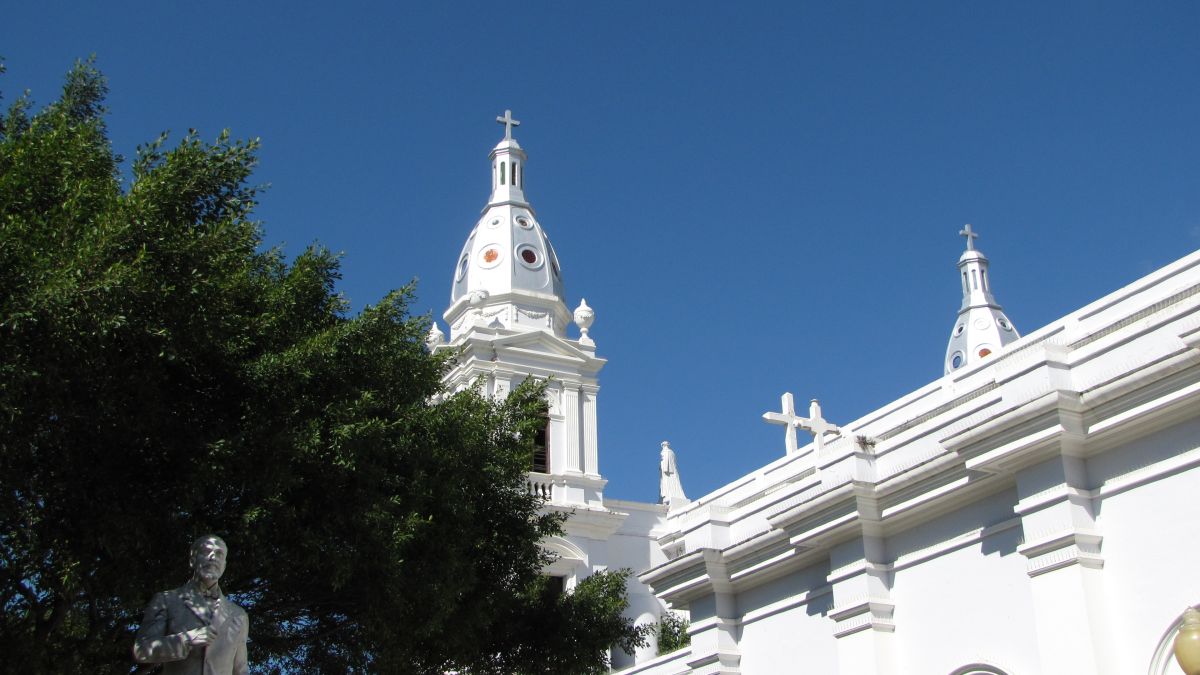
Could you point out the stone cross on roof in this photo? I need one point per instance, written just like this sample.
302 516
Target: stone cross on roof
814 423
967 232
818 425
787 418
508 122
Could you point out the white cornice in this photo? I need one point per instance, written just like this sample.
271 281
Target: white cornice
593 523
513 348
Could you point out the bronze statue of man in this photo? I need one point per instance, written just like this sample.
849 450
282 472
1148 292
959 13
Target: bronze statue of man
195 629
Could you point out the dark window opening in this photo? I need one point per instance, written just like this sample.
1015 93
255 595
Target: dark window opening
557 585
541 449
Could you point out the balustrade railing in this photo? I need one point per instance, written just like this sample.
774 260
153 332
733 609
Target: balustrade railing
540 485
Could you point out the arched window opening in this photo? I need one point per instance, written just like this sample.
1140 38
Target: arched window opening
502 173
974 273
966 286
516 167
983 278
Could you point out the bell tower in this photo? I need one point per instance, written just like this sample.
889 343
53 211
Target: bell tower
508 321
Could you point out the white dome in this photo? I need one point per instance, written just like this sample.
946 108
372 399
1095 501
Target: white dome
507 252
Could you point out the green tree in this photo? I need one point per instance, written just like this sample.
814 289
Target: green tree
162 376
673 633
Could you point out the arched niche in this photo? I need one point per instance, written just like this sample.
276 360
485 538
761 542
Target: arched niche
571 562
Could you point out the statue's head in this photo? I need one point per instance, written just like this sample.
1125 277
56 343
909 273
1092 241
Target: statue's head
208 558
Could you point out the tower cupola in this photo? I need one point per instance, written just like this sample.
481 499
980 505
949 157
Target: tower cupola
508 166
507 276
981 328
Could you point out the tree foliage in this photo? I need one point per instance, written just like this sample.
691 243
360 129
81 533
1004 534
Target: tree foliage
162 376
673 633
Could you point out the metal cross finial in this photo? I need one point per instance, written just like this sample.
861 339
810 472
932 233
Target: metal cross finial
970 235
508 123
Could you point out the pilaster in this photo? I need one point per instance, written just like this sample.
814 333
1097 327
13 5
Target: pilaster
715 642
862 608
861 579
715 637
501 384
1065 567
591 451
570 441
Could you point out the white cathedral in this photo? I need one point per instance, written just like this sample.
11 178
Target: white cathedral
1028 513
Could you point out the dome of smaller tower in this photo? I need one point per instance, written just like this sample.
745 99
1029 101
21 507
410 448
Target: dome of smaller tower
981 328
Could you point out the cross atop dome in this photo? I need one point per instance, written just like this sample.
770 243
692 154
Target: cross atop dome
967 232
508 122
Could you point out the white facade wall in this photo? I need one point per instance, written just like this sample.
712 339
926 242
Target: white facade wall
962 595
784 622
1027 515
632 547
1151 550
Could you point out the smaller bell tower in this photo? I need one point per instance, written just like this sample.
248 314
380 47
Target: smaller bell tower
981 327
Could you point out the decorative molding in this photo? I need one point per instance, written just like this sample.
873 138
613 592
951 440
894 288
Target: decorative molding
1136 317
532 314
1055 494
1147 474
941 409
925 497
1180 396
874 613
718 636
1015 454
1073 547
798 600
950 545
726 662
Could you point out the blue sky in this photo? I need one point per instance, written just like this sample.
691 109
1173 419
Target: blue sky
754 197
